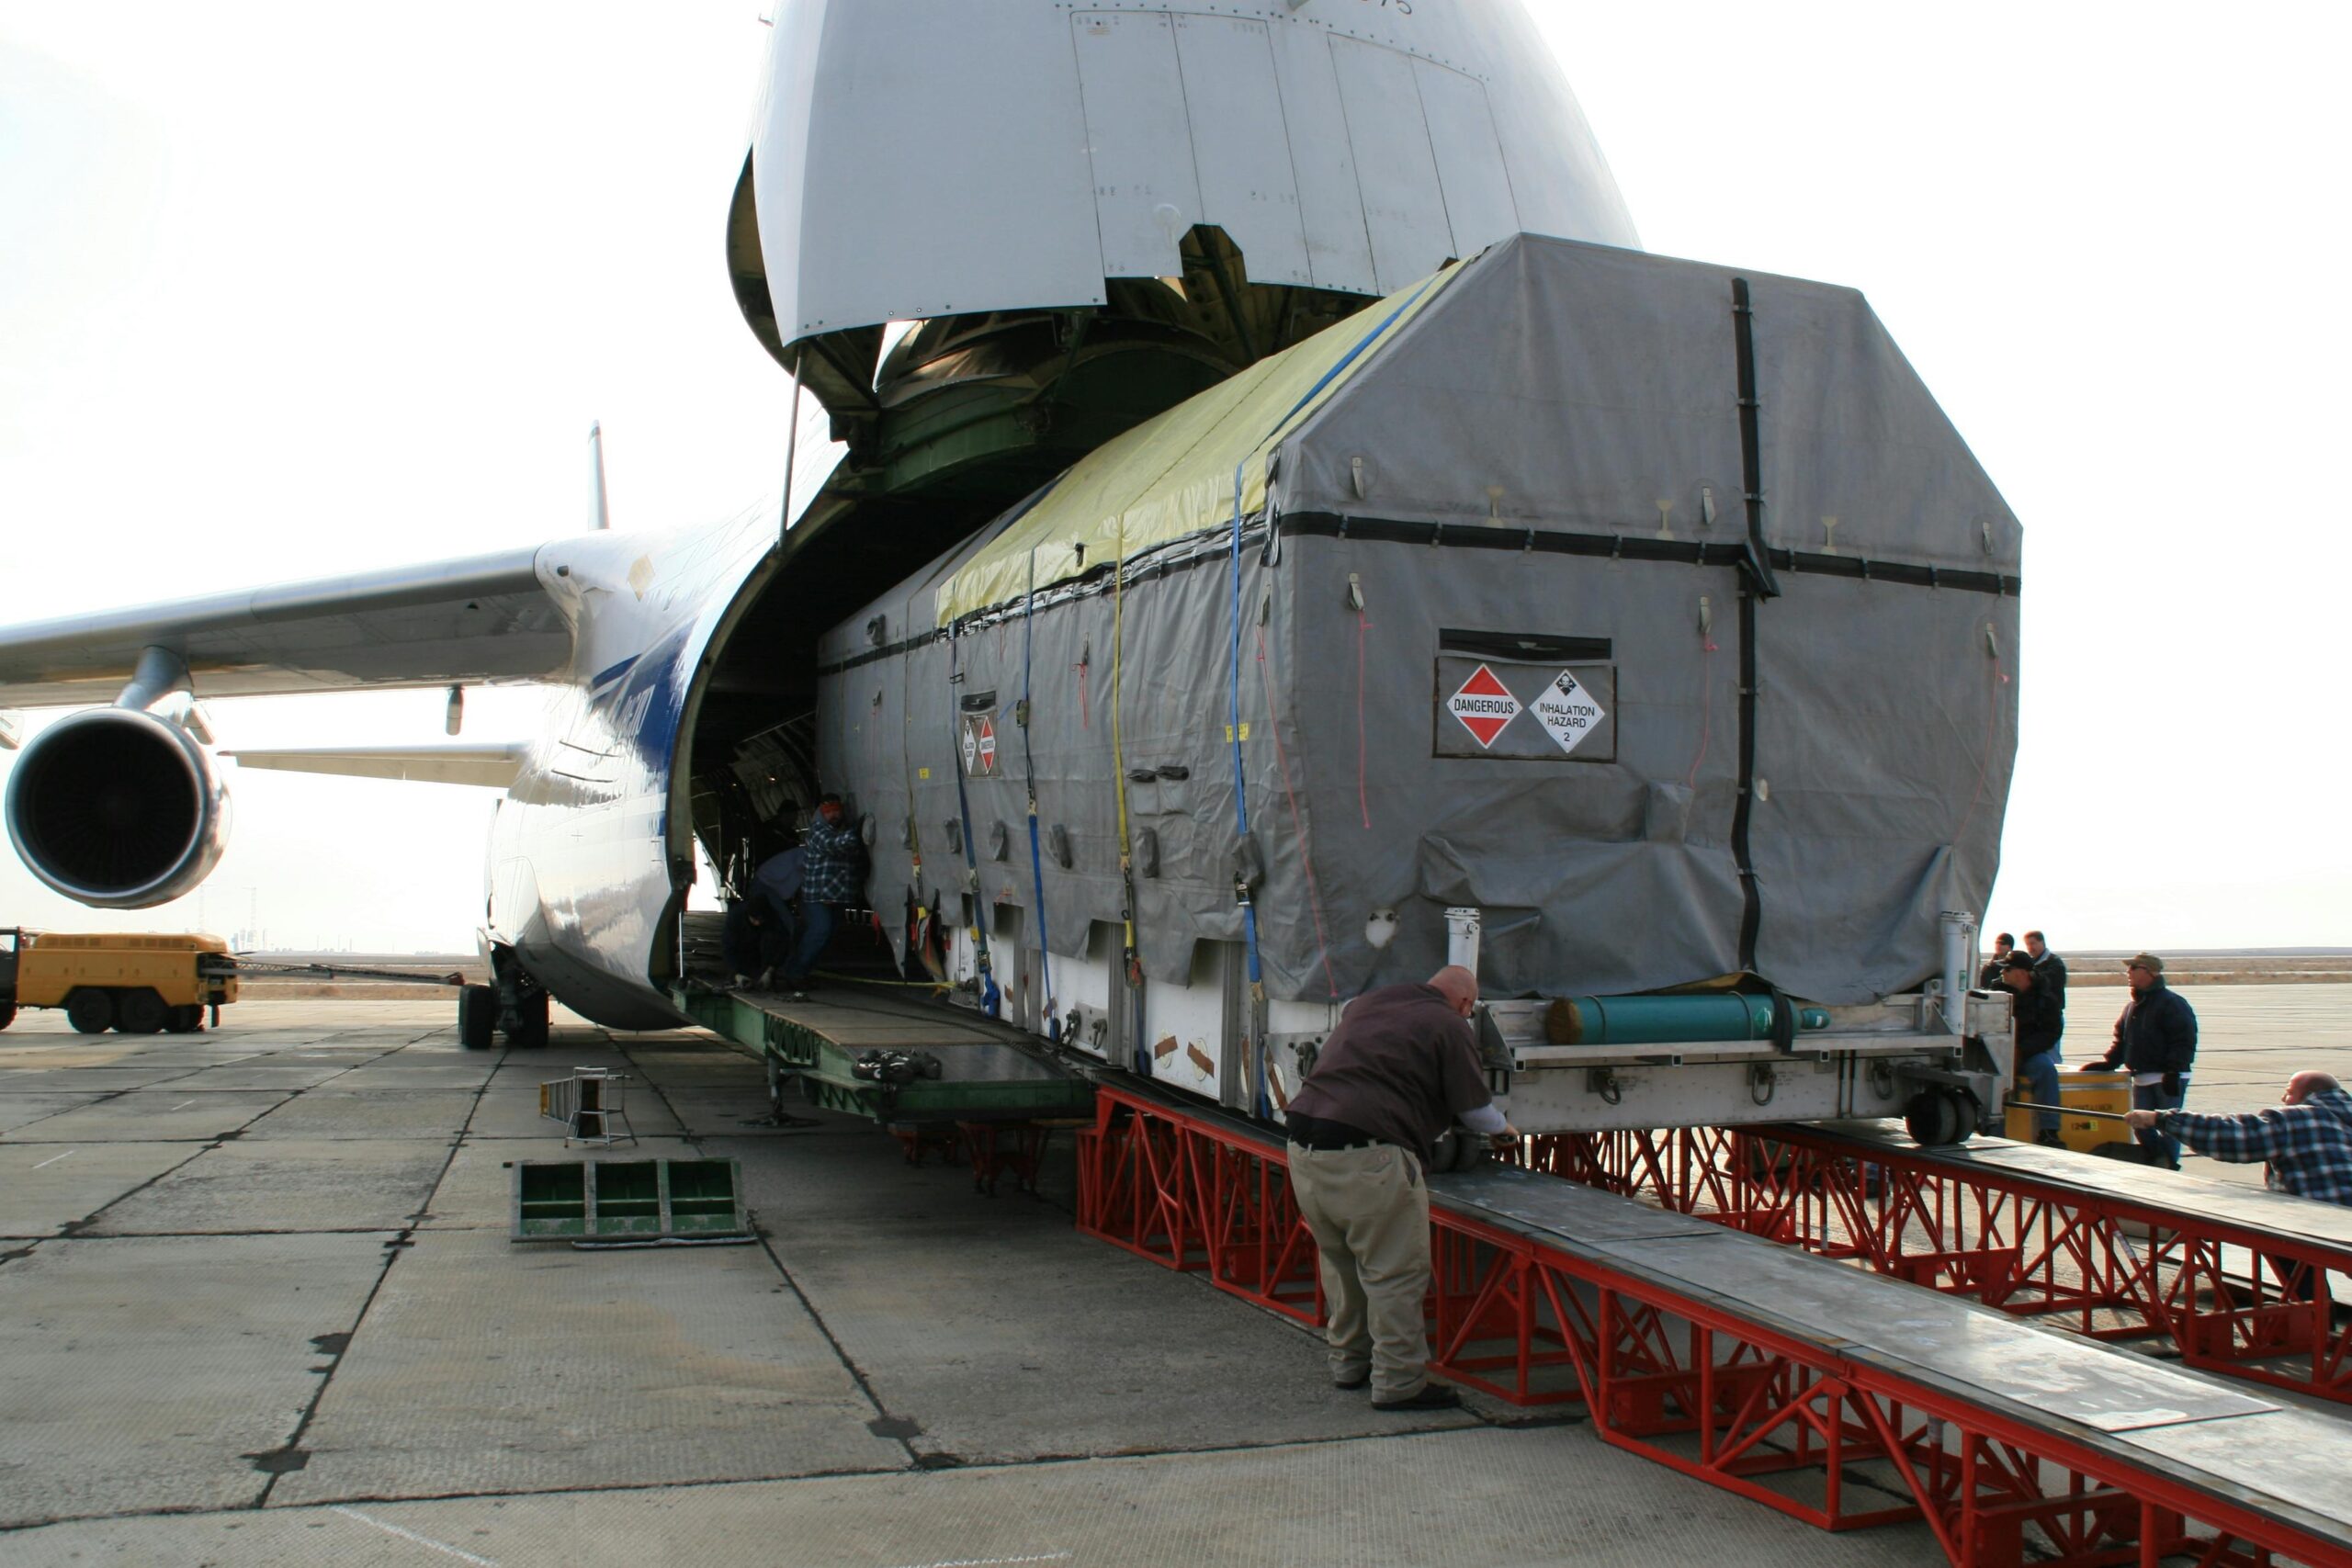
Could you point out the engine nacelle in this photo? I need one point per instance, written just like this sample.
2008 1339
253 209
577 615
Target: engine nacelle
118 808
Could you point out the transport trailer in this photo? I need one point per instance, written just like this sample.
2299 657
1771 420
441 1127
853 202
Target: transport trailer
1635 629
137 982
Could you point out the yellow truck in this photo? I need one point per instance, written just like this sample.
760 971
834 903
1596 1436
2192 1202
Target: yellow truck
139 982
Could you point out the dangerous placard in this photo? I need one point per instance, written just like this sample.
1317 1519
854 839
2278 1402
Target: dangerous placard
1567 712
980 744
1484 704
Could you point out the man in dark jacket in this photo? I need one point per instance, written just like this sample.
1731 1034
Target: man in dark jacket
1989 978
2038 1024
2155 1040
2049 969
1396 1072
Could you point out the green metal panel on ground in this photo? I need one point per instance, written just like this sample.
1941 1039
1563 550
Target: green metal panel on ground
627 1200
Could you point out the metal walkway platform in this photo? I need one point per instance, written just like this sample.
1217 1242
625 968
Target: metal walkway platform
871 1052
2236 1279
1825 1393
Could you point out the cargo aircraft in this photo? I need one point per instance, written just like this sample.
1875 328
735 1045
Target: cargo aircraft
992 246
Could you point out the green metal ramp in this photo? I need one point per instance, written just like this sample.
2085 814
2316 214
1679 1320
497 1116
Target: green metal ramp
984 1071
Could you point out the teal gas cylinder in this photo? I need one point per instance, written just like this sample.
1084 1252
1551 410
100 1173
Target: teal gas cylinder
1649 1021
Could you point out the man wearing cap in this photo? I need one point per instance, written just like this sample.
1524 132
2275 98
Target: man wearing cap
1989 978
2307 1146
2034 1013
2155 1040
1399 1068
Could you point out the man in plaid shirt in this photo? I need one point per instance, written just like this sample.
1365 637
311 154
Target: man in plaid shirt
831 876
2308 1144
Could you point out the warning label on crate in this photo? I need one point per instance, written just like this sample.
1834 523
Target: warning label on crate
1567 712
980 744
1484 704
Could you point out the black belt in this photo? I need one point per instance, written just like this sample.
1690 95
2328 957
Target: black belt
1315 1133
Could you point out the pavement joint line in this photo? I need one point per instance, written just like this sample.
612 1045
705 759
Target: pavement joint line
767 1246
394 1250
72 1229
426 1541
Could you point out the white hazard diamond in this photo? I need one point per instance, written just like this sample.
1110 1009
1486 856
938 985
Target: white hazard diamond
1568 711
1484 704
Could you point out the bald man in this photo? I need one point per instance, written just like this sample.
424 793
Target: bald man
1398 1070
2308 1143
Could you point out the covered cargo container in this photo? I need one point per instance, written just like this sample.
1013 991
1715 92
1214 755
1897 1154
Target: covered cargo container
1650 608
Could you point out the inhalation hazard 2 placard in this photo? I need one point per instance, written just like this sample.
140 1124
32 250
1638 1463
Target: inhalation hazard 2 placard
1531 712
1567 712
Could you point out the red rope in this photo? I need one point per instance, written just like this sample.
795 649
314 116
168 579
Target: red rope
1306 860
1706 707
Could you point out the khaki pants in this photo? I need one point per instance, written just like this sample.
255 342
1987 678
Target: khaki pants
1370 1211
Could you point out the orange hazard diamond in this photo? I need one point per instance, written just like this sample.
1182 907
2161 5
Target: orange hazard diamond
1484 704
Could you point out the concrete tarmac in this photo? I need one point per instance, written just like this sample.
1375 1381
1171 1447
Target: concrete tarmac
258 1305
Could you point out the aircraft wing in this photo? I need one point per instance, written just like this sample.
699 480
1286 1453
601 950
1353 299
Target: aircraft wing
441 623
492 763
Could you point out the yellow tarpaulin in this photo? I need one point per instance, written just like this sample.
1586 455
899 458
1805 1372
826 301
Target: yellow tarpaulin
1172 475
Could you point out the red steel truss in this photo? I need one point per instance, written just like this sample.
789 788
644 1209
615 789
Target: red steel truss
2103 1265
1839 1443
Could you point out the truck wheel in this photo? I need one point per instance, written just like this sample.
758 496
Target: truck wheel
477 1017
141 1011
186 1018
89 1010
7 1014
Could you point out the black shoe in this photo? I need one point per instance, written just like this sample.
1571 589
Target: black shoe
1432 1396
1353 1383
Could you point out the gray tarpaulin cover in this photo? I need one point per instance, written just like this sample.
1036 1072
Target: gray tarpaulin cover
1483 636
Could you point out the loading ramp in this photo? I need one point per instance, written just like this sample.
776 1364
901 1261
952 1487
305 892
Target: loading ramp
1835 1396
898 1059
2235 1278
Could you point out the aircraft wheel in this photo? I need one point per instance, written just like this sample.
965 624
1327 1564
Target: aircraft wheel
530 1029
1937 1117
7 1014
186 1018
477 1017
89 1010
139 1011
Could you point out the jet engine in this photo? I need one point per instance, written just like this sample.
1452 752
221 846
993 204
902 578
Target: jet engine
119 809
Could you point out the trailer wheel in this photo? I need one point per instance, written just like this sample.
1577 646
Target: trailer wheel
477 1017
1937 1117
89 1010
1453 1151
139 1011
7 1014
186 1018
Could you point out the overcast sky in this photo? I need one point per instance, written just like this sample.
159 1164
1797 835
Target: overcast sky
289 291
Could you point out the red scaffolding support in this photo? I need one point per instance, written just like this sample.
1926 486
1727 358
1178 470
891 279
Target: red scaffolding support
1838 1442
2106 1265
